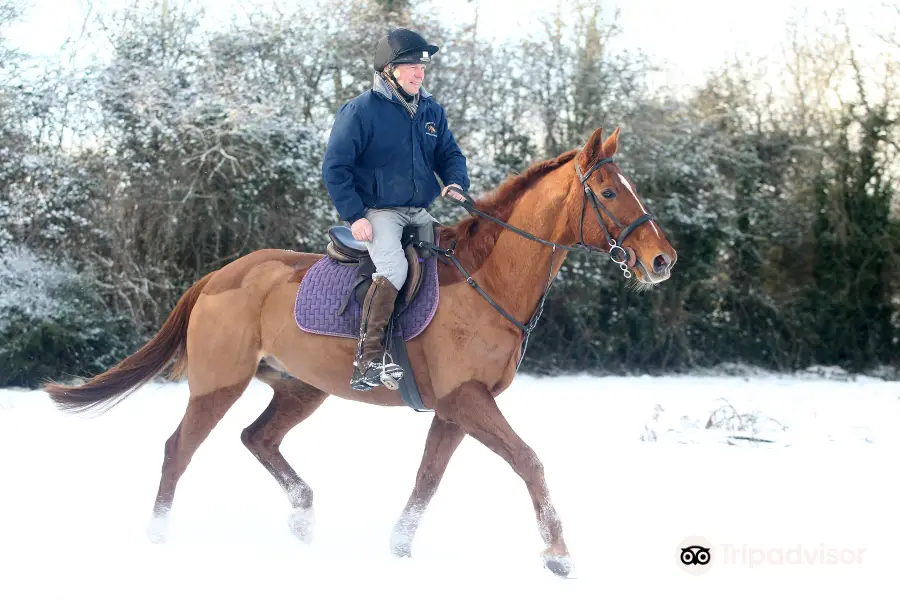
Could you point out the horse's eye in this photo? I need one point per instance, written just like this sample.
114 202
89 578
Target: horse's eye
608 193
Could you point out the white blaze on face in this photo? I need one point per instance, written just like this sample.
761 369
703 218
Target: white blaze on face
641 204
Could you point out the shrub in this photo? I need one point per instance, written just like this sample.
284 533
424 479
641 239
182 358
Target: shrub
54 323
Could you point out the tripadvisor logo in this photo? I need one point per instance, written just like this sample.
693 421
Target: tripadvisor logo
695 555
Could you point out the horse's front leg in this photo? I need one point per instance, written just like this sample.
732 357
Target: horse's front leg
443 439
474 409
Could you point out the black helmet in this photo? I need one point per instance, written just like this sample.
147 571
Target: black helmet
402 46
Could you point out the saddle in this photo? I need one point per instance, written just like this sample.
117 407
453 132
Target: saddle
343 248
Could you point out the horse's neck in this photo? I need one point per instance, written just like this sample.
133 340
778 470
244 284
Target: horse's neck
518 270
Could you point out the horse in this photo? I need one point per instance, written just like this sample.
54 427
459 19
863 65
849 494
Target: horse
236 324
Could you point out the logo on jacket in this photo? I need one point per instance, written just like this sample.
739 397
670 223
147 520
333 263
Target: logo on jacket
429 129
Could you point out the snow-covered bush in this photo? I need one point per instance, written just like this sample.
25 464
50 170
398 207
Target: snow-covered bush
53 323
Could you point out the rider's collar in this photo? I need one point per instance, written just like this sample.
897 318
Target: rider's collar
380 86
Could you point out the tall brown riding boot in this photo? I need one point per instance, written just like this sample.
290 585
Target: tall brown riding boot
371 368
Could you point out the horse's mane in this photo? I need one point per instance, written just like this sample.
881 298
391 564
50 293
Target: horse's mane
480 234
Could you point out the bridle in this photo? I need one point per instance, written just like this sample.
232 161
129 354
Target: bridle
615 245
617 253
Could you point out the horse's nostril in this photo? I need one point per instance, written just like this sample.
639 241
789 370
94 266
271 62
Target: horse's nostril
660 263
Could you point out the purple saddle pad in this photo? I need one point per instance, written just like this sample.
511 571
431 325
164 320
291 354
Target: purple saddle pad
327 282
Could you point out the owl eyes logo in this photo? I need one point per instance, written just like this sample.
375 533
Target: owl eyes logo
695 555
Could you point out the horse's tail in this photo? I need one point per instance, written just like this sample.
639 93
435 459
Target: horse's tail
107 389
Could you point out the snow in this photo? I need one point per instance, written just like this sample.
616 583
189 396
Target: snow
631 464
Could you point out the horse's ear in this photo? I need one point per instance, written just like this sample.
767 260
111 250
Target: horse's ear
594 146
611 144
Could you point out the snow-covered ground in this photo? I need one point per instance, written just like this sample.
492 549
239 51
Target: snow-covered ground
801 468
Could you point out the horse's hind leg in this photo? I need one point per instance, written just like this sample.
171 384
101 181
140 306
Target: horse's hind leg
221 364
203 412
443 439
292 402
473 408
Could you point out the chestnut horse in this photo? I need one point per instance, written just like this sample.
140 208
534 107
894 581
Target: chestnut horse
237 323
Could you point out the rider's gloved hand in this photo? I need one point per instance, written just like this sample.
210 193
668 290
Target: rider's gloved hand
450 192
362 230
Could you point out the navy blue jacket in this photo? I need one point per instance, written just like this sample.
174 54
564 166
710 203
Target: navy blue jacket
380 157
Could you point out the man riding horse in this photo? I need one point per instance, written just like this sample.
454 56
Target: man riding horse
379 169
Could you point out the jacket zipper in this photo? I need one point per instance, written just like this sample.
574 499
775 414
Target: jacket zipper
412 133
412 154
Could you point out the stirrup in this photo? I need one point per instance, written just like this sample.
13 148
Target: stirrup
375 374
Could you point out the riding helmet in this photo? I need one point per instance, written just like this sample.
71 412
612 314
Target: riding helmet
402 46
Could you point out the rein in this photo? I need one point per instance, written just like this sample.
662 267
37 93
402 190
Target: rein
615 245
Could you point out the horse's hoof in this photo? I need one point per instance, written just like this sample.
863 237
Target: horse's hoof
302 522
157 529
402 550
403 532
401 541
561 566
